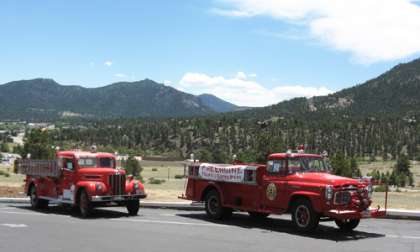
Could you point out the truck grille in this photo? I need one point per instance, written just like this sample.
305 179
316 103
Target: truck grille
342 197
117 184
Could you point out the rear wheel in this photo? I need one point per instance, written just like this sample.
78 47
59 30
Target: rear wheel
36 202
133 207
85 206
214 208
347 225
258 215
303 216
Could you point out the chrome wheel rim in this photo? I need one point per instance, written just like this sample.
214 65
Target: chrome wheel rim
302 216
213 205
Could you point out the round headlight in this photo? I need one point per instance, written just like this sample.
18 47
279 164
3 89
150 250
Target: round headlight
98 187
329 192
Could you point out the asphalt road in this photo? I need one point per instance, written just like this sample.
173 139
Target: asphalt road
58 229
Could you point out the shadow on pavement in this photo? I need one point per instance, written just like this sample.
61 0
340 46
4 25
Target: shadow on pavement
285 226
97 213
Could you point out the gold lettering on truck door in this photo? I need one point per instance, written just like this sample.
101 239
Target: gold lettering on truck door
271 191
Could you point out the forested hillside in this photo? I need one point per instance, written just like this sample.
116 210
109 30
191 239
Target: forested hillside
377 118
46 100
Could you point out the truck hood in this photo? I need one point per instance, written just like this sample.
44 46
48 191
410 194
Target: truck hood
100 171
323 178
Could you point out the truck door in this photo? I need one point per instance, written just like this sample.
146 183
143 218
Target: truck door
67 184
274 193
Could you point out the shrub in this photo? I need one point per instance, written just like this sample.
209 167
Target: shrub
154 181
179 176
154 169
3 173
380 188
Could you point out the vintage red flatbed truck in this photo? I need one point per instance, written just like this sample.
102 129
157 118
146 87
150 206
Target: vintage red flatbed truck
81 179
296 183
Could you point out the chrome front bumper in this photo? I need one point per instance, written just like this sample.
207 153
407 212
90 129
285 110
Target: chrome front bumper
116 198
349 214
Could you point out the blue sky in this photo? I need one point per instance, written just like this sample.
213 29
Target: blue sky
248 52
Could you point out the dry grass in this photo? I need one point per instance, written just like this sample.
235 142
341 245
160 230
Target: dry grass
14 180
402 200
171 188
384 166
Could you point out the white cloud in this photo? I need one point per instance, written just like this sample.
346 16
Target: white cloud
120 75
108 63
244 92
167 82
371 30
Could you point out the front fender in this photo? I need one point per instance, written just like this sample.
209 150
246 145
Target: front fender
88 186
314 197
130 187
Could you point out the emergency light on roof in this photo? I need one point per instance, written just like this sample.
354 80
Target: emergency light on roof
301 148
93 148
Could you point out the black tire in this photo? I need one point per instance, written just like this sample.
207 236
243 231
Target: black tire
258 215
85 206
133 207
347 225
214 208
304 217
36 202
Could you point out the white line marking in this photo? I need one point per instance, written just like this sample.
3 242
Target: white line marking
402 237
23 213
175 223
14 225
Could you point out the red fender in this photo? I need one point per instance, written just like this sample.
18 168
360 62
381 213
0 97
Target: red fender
215 185
315 199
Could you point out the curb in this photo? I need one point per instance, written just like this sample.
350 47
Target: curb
402 214
190 206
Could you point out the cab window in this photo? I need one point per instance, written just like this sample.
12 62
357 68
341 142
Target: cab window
276 167
68 164
107 163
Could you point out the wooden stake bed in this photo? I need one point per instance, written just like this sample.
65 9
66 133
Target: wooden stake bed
39 168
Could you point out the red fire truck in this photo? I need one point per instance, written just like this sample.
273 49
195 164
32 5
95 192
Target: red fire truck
296 183
82 179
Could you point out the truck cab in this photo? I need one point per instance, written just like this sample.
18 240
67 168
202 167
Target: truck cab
297 183
82 179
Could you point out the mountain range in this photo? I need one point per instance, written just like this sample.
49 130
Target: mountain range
394 93
39 99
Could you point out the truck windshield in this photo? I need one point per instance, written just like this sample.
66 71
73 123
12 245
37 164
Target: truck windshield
91 162
304 164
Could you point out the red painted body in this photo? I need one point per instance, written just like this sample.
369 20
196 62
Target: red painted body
101 180
291 183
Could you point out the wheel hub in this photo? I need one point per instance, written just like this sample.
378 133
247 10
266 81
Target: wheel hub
302 216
